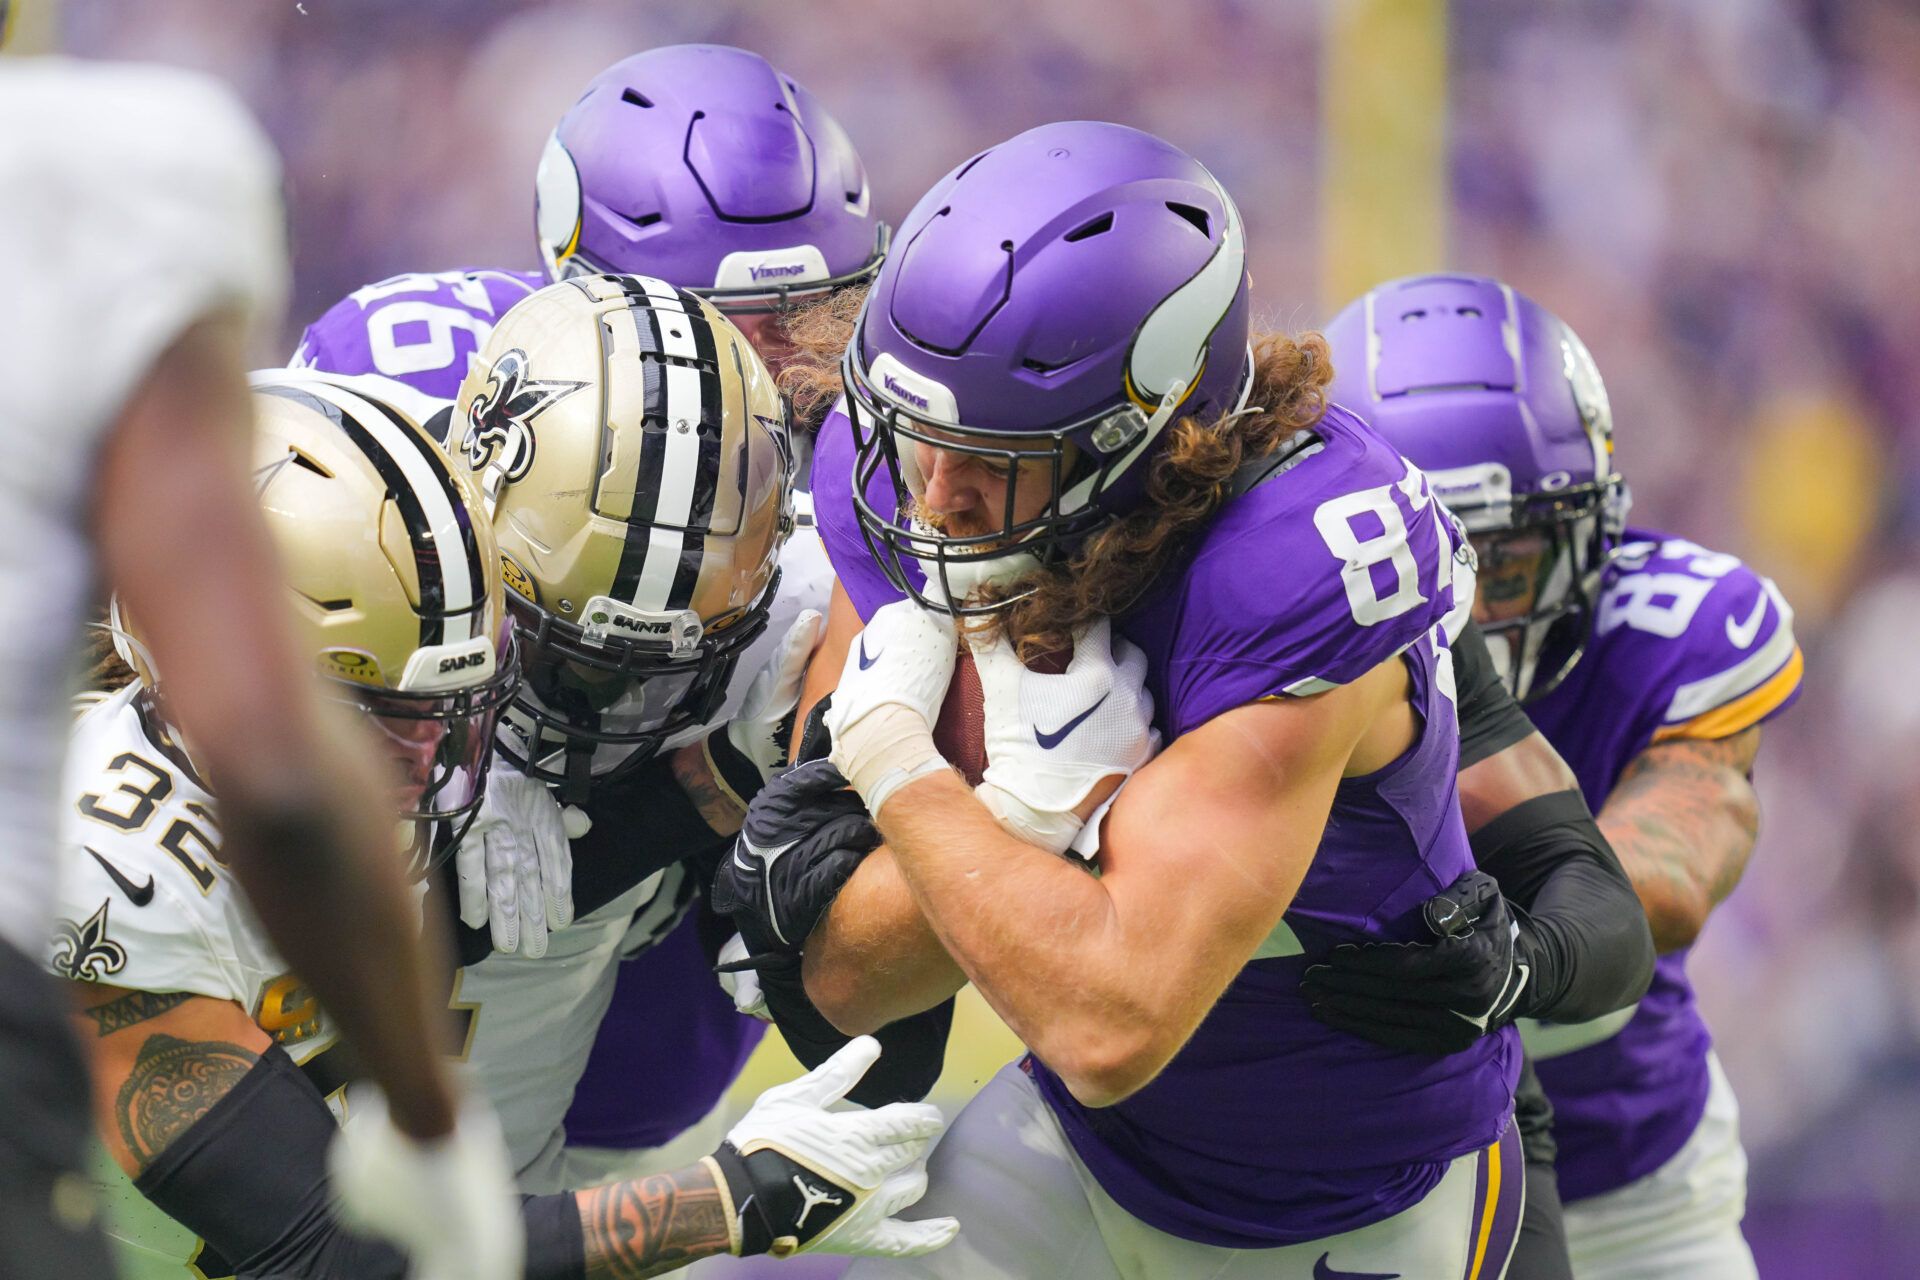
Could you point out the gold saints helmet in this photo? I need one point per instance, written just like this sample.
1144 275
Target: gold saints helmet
634 455
392 575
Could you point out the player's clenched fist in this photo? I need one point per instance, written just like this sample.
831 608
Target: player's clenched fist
804 1179
1053 739
888 700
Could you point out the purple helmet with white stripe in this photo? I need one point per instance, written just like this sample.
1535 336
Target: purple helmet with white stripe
1499 402
1052 306
706 167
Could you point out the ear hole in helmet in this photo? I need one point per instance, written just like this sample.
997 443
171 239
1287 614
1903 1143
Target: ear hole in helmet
1194 214
636 98
1098 226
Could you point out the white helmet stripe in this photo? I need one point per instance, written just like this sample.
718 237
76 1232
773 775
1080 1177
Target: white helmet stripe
1170 348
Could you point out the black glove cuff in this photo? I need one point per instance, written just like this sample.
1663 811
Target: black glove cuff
787 1204
755 1235
732 768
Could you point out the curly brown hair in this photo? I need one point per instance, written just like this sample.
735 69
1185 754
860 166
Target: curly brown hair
1186 484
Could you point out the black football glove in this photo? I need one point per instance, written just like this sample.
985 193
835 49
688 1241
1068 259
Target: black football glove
804 835
1438 997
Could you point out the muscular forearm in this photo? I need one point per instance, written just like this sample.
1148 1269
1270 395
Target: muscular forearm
309 869
650 1226
1683 820
1038 936
873 959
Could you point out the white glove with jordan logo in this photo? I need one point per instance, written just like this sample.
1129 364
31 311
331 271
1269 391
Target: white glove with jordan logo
450 1203
888 700
1051 739
804 1179
515 865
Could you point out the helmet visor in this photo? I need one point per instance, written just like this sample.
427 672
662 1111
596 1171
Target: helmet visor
439 742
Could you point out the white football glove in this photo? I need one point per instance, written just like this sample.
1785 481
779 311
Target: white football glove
804 1179
742 985
1051 739
759 731
515 865
888 700
450 1203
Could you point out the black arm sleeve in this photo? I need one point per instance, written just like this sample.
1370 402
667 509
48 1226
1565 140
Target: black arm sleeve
912 1050
250 1178
1490 718
1589 943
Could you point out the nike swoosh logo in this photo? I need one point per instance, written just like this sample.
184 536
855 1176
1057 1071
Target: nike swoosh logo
1321 1271
1048 741
865 661
1741 634
139 895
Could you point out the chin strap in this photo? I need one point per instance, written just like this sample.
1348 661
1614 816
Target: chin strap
579 773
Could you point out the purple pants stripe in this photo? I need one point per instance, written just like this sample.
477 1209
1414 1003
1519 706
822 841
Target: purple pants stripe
1499 1193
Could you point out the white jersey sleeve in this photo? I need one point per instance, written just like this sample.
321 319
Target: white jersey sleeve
144 900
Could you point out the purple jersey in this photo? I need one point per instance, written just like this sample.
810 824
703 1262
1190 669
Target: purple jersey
1269 1128
672 1027
418 329
1687 643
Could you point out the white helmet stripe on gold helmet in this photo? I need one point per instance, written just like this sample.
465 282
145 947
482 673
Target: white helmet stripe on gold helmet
679 466
446 554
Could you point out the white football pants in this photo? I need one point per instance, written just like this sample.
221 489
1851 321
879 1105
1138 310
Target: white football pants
1029 1208
1680 1222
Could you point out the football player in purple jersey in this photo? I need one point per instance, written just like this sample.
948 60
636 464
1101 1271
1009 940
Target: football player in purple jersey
1062 430
1650 663
709 168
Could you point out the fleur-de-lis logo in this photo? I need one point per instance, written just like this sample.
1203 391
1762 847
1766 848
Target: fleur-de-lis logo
84 952
499 436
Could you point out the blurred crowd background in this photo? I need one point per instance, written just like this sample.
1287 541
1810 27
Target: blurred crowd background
1723 198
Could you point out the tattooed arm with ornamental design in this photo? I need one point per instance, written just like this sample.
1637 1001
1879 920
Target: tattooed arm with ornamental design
161 1060
656 1224
1683 819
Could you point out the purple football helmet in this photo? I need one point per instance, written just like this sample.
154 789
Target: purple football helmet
1052 304
708 168
1499 402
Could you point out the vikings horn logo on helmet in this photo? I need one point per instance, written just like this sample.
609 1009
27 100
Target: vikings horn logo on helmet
499 438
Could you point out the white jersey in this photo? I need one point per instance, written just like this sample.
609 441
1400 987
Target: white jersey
145 903
133 202
533 1022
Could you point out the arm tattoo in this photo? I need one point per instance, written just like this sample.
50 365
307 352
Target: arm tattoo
172 1085
133 1008
656 1224
716 803
1683 819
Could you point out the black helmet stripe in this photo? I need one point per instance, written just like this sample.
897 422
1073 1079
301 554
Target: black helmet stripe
436 462
413 515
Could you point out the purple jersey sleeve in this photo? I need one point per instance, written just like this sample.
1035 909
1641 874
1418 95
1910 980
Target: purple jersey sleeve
1355 561
418 329
1713 639
860 576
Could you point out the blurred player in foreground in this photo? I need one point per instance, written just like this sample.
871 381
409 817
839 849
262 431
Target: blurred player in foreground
140 236
217 1079
1651 663
708 168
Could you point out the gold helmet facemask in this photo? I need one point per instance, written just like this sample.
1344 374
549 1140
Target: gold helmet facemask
636 457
